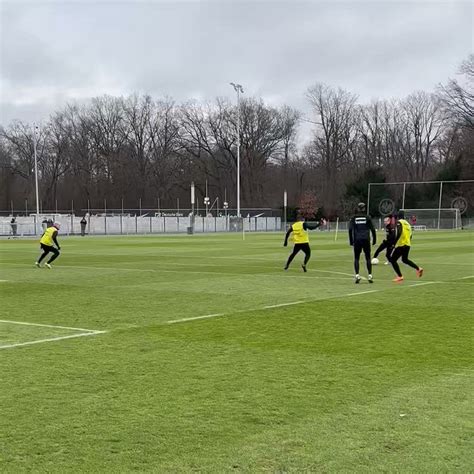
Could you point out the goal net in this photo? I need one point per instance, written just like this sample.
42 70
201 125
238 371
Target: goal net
425 219
436 204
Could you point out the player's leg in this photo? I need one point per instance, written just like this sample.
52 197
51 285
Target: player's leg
55 255
357 252
46 249
410 263
296 249
380 248
388 254
368 262
396 254
307 255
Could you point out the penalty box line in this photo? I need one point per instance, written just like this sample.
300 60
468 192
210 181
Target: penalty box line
292 303
83 333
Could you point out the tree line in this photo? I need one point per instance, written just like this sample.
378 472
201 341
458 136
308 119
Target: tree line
140 149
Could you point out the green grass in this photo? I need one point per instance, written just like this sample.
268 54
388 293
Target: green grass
378 381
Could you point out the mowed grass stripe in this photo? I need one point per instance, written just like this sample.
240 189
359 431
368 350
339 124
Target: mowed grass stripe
314 387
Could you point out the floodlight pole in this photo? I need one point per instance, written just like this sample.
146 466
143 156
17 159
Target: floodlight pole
192 197
368 198
285 201
239 90
35 130
439 202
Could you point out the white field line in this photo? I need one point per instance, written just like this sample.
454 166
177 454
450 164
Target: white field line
424 283
159 270
291 303
51 339
206 316
362 292
83 333
210 316
467 278
283 304
6 321
3 281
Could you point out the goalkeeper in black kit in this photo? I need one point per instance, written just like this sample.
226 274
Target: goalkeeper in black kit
360 228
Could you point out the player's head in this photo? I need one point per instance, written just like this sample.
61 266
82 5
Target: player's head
361 207
401 214
57 225
300 217
387 220
49 222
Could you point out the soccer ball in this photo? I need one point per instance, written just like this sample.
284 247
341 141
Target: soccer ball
375 261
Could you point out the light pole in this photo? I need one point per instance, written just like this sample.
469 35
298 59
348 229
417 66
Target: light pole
207 200
192 198
35 132
239 90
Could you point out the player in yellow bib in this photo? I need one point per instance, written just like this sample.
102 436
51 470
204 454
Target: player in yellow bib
301 239
402 248
47 242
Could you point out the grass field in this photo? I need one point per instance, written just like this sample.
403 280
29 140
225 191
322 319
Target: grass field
199 353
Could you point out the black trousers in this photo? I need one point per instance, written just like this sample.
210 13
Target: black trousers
305 248
402 252
359 247
384 246
47 249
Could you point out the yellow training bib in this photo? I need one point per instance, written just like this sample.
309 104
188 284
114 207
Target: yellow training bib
405 238
300 235
47 238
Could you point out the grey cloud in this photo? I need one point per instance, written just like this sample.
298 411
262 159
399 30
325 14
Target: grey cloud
276 49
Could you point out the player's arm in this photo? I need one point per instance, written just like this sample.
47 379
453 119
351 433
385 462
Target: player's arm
312 226
55 239
398 232
351 231
391 235
308 226
372 230
287 236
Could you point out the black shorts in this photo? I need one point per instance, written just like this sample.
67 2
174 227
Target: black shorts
304 247
49 248
362 245
402 252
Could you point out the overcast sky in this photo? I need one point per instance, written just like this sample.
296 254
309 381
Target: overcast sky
54 52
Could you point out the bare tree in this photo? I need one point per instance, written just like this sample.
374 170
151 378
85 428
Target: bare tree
423 127
17 144
458 95
56 159
108 135
165 159
334 136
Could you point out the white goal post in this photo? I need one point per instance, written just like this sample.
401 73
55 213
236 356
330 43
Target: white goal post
436 204
425 219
